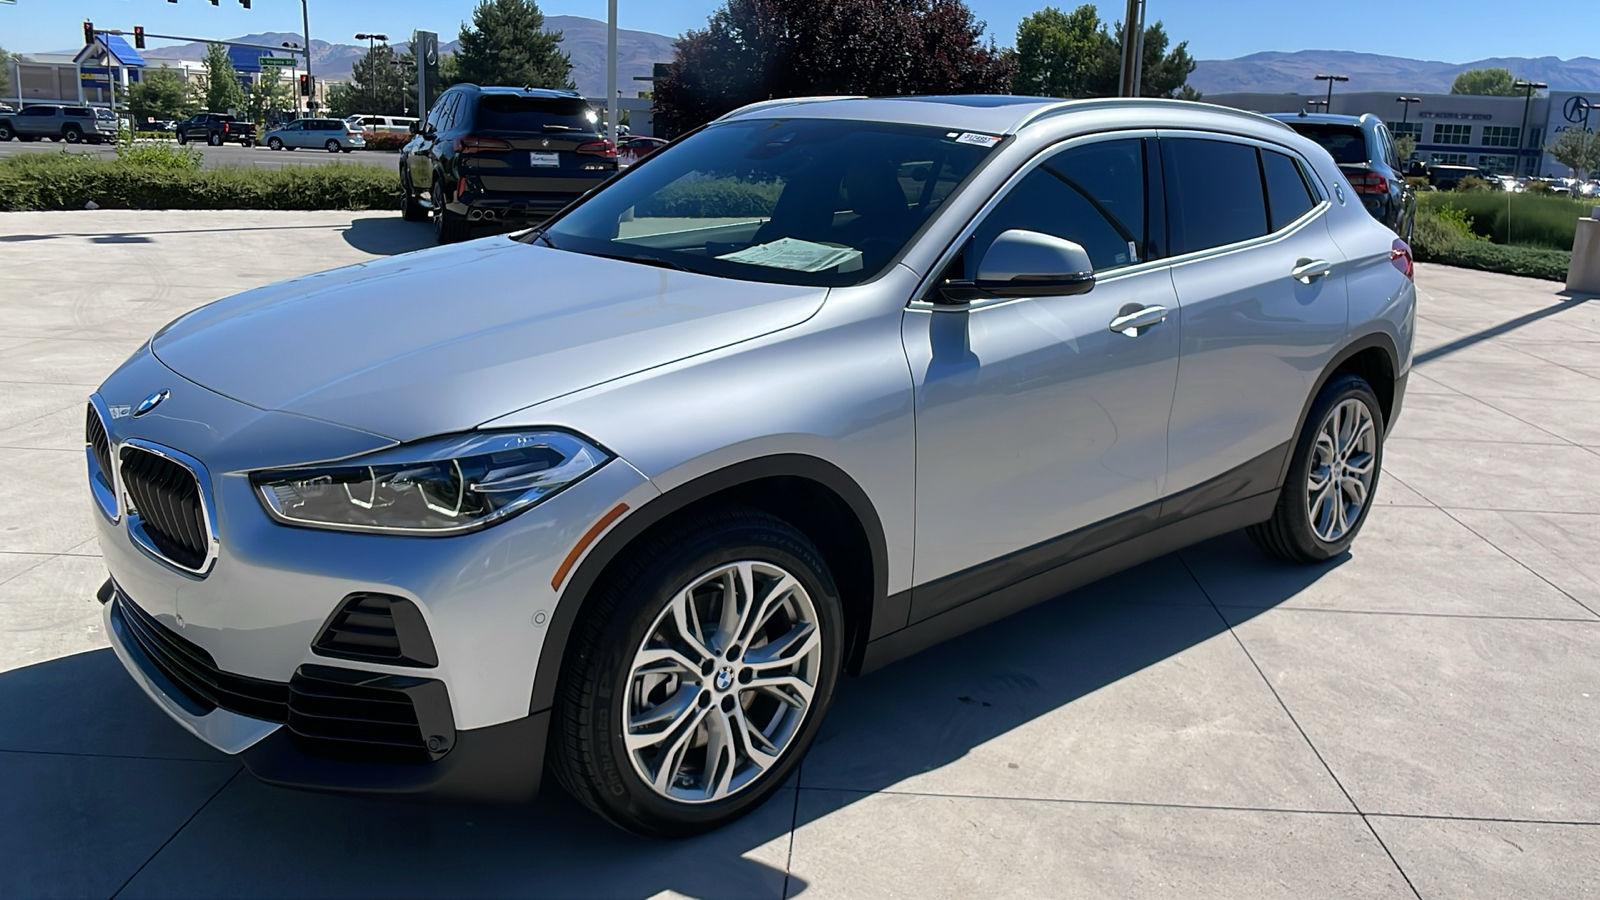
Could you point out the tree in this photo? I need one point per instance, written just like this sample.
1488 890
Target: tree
1485 83
6 59
271 92
1076 55
1578 150
223 91
382 83
506 44
1405 147
753 50
160 94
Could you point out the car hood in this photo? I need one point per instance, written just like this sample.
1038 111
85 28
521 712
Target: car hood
443 340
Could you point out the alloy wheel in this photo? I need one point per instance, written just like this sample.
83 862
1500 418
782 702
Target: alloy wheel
1339 480
722 682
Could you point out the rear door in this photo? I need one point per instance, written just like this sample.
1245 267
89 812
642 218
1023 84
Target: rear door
1263 303
534 145
423 155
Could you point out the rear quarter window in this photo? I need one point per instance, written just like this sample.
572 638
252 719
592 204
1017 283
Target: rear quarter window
1288 198
535 115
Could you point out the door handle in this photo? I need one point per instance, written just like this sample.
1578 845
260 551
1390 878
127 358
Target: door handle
1130 324
1309 270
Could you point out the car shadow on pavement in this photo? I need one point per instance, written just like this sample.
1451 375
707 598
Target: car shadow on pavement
101 794
388 235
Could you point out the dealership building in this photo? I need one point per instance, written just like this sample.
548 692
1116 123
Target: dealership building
1456 129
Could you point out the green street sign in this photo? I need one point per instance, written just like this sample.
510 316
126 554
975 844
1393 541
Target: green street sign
268 62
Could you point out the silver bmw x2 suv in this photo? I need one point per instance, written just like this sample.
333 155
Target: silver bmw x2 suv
819 385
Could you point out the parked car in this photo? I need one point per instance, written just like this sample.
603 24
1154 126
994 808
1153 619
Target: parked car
1448 178
332 135
383 124
73 124
501 156
825 383
149 124
1365 152
633 149
216 129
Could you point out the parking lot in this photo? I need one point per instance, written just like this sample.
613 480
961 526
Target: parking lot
218 157
1418 718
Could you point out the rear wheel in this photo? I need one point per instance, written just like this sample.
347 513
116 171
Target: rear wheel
411 209
448 227
214 140
1332 477
698 675
332 146
274 144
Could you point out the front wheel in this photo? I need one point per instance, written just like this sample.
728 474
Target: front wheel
274 144
182 139
698 674
1332 477
72 134
6 134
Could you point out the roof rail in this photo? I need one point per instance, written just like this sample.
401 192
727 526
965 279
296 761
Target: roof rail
786 101
1069 106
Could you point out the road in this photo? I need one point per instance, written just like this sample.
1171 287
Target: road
218 157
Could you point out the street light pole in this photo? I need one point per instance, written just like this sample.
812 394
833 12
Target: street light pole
613 115
1522 135
1330 79
1406 116
372 43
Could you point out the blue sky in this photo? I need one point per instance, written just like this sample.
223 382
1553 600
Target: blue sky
1460 31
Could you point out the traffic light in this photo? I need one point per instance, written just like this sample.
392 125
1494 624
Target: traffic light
305 85
88 33
138 37
245 3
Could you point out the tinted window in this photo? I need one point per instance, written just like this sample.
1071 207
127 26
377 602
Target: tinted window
497 112
38 111
440 117
1345 143
77 111
1092 195
1287 195
1213 193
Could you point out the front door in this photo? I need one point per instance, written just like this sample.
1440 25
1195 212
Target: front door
1035 420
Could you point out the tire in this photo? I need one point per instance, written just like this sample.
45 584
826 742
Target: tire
274 144
247 143
72 134
332 145
182 139
214 140
1346 406
448 227
632 612
6 134
410 209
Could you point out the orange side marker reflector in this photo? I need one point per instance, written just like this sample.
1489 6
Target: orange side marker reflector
584 542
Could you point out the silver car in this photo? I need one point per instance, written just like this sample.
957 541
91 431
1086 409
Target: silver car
818 386
332 135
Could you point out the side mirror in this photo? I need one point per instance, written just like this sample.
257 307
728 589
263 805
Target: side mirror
413 127
1026 264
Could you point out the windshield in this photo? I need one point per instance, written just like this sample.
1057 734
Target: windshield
1346 144
503 112
802 201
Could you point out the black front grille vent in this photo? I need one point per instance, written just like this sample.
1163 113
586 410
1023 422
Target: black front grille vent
345 714
377 628
192 670
94 434
167 497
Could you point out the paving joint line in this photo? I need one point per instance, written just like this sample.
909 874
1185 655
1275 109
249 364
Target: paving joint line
1419 615
174 835
1296 723
110 756
1083 801
794 822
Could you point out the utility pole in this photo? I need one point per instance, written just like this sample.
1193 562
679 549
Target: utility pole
612 113
1522 136
1132 50
1330 79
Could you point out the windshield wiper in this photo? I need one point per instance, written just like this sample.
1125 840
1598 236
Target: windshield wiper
649 261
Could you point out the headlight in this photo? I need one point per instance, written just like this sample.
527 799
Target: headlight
435 488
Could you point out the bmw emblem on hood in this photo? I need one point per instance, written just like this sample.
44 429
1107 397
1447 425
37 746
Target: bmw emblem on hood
150 402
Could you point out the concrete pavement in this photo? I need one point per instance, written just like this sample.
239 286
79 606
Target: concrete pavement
1419 718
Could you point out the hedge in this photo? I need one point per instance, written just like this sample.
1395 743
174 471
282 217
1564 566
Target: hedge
1509 218
385 141
38 181
712 198
1532 262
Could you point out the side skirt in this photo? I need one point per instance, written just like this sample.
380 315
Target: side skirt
1069 576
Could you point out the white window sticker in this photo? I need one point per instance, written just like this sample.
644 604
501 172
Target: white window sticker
982 140
791 253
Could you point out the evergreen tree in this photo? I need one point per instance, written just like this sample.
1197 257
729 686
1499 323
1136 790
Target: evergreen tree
1486 83
223 91
506 44
383 83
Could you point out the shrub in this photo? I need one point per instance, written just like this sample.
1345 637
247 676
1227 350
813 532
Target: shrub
1533 262
712 198
1438 228
148 152
385 141
1472 183
1540 221
37 181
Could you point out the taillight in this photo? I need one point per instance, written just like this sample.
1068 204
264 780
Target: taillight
1370 183
1400 255
481 145
604 149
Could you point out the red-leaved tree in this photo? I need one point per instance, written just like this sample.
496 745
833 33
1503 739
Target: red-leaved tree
754 50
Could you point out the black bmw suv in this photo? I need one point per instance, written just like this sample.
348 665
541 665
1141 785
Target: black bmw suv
496 156
1365 152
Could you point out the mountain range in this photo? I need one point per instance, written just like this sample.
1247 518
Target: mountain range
584 40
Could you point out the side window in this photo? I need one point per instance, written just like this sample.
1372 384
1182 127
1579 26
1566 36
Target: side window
1288 198
1093 195
439 116
1213 193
